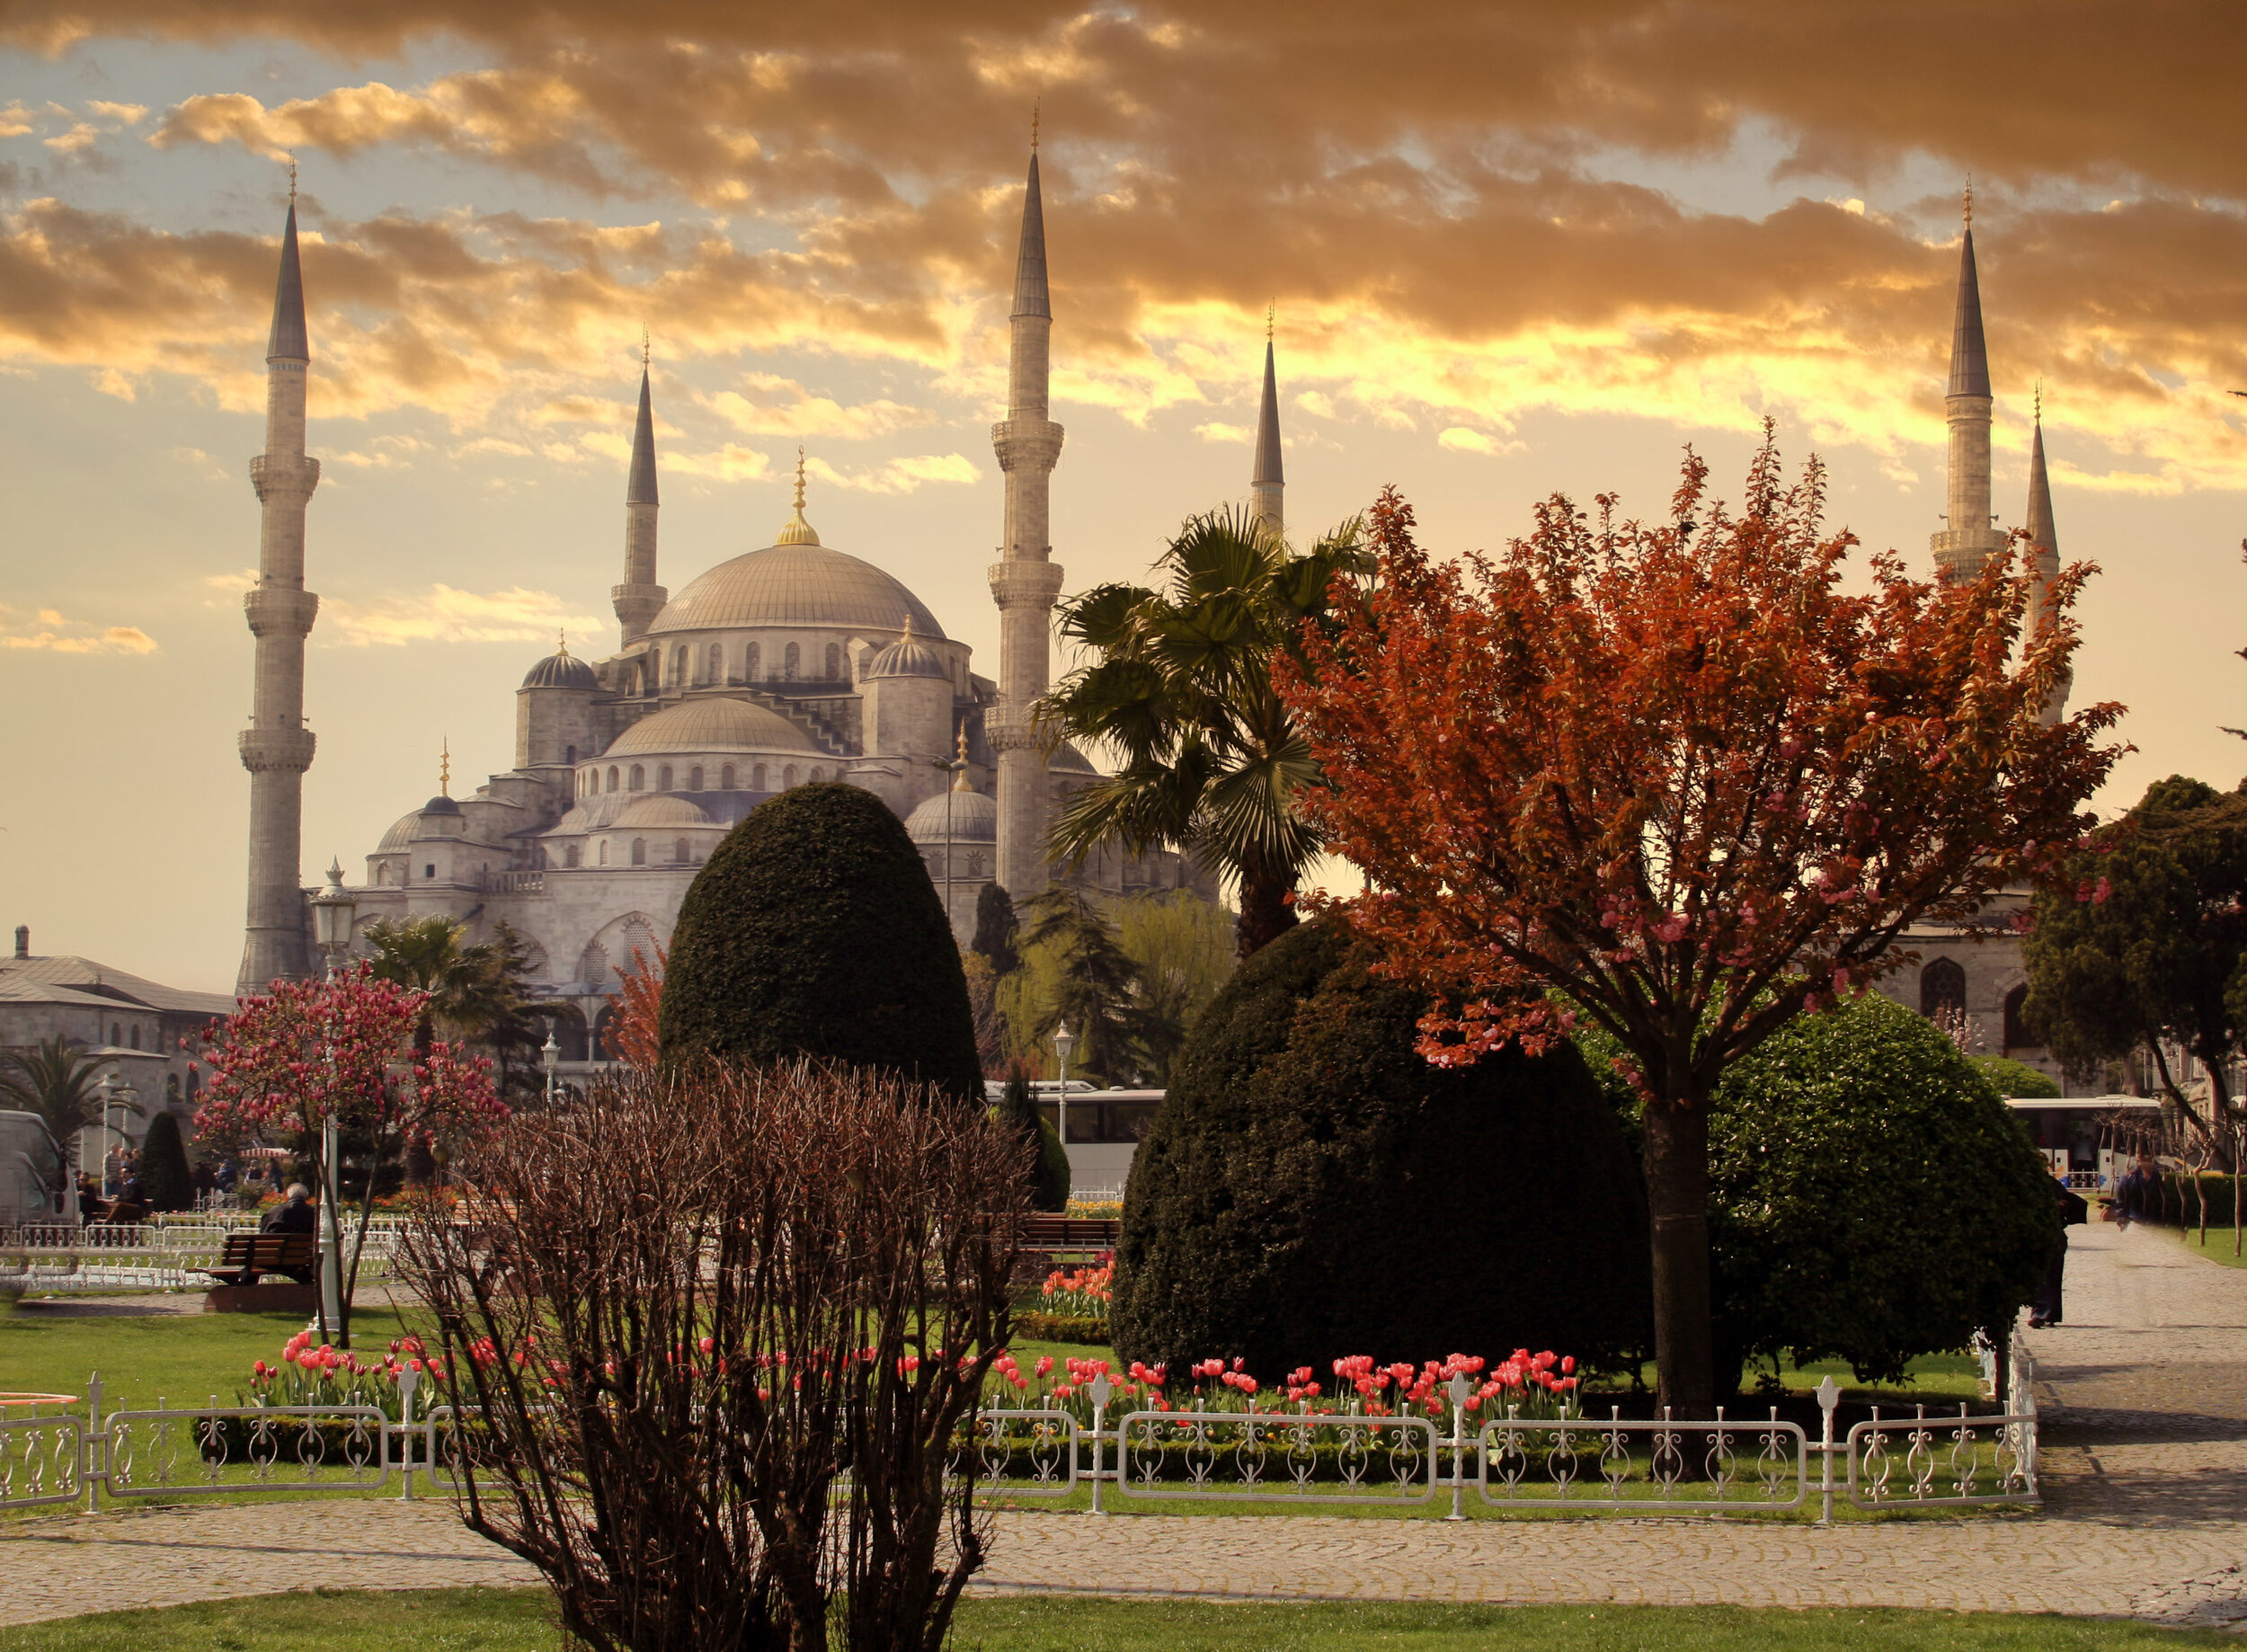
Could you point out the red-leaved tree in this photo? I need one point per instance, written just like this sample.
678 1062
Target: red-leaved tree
1683 779
342 1048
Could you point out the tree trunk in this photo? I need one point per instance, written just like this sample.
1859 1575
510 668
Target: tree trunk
1677 1202
1265 911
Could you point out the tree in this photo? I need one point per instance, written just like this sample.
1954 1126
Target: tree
344 1048
813 930
2015 1078
474 994
1180 688
58 1080
995 929
1049 1160
634 1031
1183 949
982 1002
1098 990
1686 776
1311 1188
2142 943
165 1181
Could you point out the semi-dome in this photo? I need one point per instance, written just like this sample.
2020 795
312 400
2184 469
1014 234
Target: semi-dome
907 657
710 725
803 584
973 816
663 809
562 670
400 835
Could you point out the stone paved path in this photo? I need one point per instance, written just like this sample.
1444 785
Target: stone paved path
2146 1470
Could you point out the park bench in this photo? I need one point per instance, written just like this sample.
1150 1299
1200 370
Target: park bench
248 1254
1054 1236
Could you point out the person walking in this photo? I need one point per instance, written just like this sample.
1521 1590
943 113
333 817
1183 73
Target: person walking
2137 1198
2073 1212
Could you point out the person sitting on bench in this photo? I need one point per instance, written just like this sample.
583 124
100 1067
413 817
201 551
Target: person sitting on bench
293 1214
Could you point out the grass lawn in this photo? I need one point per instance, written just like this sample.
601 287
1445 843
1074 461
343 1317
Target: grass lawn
518 1621
142 1357
2218 1247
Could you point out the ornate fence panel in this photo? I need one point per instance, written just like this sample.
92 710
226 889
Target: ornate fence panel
1024 1453
40 1459
1950 1460
1644 1463
1276 1457
171 1452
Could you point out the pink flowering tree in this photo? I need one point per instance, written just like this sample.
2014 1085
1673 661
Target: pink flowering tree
343 1048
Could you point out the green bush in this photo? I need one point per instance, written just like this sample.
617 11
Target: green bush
2014 1078
1049 1175
1871 1198
814 930
1311 1187
165 1181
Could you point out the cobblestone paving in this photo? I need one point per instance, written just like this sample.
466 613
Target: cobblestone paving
2146 1470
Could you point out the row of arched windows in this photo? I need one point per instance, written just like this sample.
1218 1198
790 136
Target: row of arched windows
706 668
1942 992
635 778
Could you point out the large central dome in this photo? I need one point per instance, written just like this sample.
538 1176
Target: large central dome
799 585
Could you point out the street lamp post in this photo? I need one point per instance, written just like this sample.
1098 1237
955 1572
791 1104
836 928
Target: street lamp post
956 767
550 1056
1064 1041
331 910
105 1084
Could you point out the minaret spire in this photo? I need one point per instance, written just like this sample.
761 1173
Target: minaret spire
640 599
1968 541
277 747
1266 481
1025 581
2044 551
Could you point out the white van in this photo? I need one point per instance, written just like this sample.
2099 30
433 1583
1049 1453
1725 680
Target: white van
35 1179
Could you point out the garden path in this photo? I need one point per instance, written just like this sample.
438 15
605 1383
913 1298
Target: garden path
2145 1471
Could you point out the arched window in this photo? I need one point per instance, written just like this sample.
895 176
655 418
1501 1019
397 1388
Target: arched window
814 777
2018 1033
975 863
693 778
752 662
717 662
117 1034
792 663
834 660
639 851
135 1033
1942 987
663 778
681 853
756 778
726 778
612 777
569 754
638 780
604 851
787 777
574 856
679 666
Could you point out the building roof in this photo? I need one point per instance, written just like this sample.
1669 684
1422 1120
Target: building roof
974 817
640 489
1266 471
801 585
401 833
663 809
287 341
108 985
1969 352
907 657
2042 535
710 724
562 670
1030 295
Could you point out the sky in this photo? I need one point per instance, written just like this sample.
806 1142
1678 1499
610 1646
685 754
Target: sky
1510 249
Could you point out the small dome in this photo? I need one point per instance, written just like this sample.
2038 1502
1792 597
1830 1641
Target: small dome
1068 760
663 809
908 656
562 670
710 725
440 804
973 816
401 835
803 585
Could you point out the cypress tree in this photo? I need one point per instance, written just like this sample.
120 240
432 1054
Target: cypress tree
1049 1172
164 1179
813 930
995 929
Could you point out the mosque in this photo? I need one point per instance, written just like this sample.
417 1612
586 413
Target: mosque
783 666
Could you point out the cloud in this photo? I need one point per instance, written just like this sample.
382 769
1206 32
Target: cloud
784 407
56 634
899 475
1459 439
1239 433
443 615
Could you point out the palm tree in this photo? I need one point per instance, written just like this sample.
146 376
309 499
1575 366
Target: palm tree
477 994
1181 690
59 1082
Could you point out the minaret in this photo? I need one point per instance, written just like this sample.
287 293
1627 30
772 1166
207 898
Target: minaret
1962 548
2044 551
640 599
1266 483
1025 581
277 746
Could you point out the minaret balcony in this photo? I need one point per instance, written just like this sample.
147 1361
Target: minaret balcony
1027 444
279 610
1025 583
284 476
287 750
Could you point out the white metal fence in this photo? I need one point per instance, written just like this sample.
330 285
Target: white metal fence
165 1254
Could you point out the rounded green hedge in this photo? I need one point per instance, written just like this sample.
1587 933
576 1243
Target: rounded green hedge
814 930
1311 1188
165 1181
1871 1199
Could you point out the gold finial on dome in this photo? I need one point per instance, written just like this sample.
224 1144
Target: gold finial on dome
562 642
1969 200
444 767
795 530
959 765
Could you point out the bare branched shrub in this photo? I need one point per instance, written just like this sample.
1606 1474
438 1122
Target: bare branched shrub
710 1334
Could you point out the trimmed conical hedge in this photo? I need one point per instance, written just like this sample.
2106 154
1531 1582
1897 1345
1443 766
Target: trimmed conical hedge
814 930
1312 1188
165 1181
